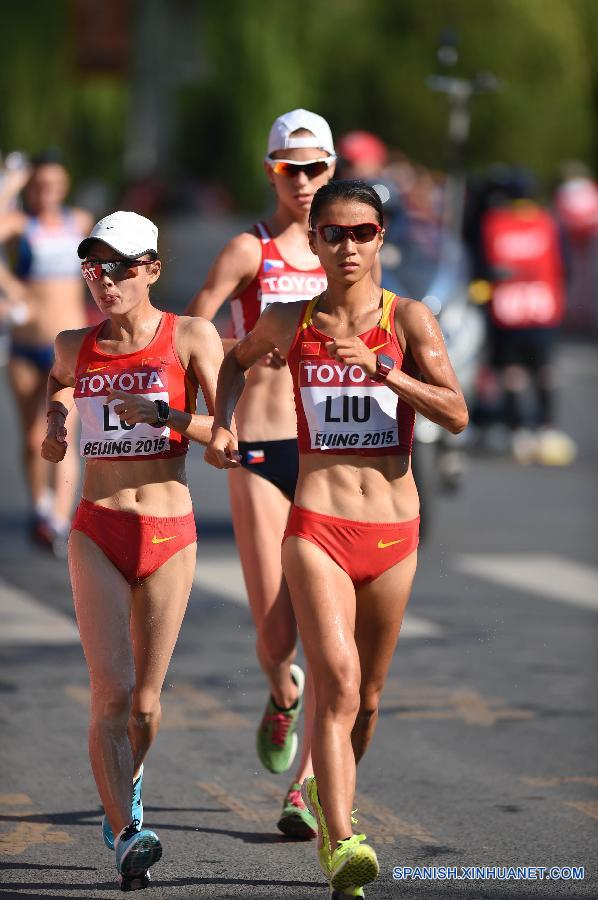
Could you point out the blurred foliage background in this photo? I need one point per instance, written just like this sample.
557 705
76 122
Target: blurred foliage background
197 83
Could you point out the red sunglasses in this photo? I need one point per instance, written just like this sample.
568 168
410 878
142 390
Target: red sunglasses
361 234
117 269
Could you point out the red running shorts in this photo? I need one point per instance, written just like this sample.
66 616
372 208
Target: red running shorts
136 545
364 550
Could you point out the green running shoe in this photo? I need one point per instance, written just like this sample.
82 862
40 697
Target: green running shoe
276 735
353 864
296 820
309 792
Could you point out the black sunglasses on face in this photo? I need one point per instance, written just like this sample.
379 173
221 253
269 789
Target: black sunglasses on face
117 269
361 234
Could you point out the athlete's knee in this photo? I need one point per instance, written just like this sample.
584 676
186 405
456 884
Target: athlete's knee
111 704
145 707
337 692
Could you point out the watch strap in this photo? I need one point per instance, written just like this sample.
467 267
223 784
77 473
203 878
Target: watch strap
163 410
383 368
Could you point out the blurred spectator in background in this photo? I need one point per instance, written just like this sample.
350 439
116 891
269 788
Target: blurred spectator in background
576 205
521 258
362 155
43 237
412 199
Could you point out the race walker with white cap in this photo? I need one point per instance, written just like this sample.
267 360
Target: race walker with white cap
135 379
273 263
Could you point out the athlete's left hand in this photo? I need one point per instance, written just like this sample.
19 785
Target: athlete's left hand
132 408
273 360
353 352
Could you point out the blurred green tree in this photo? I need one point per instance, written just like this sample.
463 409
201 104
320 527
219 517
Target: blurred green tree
361 63
48 101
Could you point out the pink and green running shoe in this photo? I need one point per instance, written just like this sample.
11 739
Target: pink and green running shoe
296 821
276 736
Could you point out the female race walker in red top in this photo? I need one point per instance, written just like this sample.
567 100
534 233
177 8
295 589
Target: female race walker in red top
274 263
134 379
349 552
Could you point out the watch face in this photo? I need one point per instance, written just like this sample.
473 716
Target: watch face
387 361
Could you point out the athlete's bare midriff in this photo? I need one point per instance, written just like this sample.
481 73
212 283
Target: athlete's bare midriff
156 487
55 306
358 488
266 409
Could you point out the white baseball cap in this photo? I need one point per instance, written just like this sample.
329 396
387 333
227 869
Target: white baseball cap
280 133
128 233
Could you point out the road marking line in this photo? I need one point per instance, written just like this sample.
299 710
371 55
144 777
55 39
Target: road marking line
389 825
223 578
25 834
232 803
588 809
187 707
79 693
567 779
550 576
404 701
184 707
380 823
14 800
24 620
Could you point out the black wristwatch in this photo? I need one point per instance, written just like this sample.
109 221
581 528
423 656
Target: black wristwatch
163 414
384 365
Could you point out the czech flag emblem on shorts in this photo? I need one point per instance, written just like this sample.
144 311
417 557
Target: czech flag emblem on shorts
255 456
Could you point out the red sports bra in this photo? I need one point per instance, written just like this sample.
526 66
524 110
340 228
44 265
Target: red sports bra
155 372
276 281
340 409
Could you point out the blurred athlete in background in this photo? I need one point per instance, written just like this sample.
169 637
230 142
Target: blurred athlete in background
44 236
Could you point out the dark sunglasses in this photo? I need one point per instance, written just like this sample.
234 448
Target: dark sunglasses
117 269
361 234
290 168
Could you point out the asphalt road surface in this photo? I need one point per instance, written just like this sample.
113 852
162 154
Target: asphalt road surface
485 753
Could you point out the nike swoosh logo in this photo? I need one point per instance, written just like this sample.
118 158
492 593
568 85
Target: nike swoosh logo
379 347
383 544
157 540
97 369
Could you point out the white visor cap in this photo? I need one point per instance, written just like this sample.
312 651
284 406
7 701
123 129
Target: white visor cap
128 233
280 133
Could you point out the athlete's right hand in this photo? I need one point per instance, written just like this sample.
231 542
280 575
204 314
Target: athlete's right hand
222 451
55 444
